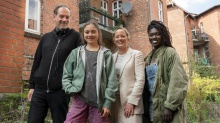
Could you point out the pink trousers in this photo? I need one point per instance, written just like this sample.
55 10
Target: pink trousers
80 112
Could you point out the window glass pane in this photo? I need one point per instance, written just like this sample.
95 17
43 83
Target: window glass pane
105 5
201 26
120 2
115 13
115 5
33 14
160 11
120 13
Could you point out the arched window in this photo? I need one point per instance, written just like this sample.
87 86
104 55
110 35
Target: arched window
202 28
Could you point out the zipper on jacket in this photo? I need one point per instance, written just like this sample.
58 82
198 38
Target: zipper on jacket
51 62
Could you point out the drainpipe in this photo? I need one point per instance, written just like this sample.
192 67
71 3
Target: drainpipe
149 4
188 56
149 1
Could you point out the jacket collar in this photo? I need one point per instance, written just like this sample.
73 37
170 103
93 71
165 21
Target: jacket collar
157 53
127 57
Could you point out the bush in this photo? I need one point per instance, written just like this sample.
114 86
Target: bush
202 68
14 108
203 99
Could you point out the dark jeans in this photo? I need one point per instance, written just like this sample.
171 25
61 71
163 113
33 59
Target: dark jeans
56 101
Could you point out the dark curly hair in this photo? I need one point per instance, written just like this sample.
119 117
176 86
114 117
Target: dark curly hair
164 31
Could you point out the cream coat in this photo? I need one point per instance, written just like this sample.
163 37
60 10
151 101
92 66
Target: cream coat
132 79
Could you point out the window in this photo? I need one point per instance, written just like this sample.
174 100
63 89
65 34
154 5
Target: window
202 28
104 7
116 10
160 11
194 32
32 18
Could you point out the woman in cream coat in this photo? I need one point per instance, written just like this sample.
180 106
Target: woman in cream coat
129 65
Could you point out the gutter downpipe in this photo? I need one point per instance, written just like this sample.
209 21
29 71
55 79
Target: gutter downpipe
188 56
150 10
149 1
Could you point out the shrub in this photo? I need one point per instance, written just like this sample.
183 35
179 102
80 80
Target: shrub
203 99
14 108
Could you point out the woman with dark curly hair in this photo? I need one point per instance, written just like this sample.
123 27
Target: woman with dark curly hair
166 80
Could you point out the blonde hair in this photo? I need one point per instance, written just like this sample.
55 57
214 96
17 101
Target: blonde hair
125 30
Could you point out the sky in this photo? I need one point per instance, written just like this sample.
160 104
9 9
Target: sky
196 6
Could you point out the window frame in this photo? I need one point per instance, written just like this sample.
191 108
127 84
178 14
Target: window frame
194 30
116 9
160 11
194 33
37 31
104 19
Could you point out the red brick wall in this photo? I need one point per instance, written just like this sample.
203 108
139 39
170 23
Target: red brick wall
16 51
136 23
139 20
15 48
154 9
12 13
47 25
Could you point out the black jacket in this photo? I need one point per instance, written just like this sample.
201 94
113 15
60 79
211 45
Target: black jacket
51 53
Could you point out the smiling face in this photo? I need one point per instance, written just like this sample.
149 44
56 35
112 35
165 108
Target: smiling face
91 34
120 39
155 38
62 18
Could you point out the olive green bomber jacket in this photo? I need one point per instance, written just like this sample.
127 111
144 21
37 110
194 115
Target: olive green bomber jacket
170 86
106 82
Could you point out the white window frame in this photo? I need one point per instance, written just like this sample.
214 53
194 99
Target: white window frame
160 10
104 19
202 28
194 30
37 31
117 9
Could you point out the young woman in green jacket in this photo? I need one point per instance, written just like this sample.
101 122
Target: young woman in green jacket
166 80
89 75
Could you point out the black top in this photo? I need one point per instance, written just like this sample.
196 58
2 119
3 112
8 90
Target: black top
51 53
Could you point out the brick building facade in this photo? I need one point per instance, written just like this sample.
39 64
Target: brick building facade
195 36
209 23
18 45
179 23
12 14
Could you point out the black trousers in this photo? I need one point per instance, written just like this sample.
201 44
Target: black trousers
41 101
